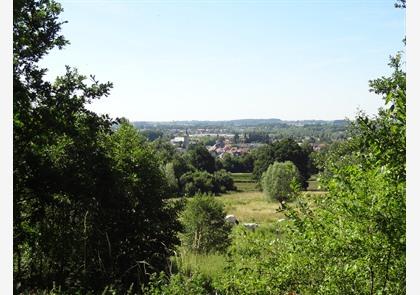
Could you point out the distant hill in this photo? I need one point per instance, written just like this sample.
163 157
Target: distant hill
238 123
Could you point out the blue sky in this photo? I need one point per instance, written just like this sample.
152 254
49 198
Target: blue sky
221 60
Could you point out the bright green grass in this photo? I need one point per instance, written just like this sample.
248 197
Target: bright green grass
244 182
210 265
248 206
242 177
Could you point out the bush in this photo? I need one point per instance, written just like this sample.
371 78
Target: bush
205 229
197 182
199 157
179 284
281 151
223 182
236 164
281 181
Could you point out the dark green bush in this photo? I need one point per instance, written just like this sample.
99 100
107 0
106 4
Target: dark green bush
197 182
223 181
179 284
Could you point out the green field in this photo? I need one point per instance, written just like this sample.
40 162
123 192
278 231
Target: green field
244 182
251 206
242 177
248 204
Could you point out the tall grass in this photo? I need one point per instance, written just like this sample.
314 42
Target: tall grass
210 265
251 207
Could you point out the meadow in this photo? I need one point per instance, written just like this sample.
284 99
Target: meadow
249 205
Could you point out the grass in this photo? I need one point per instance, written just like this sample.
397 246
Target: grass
244 182
242 177
210 265
250 207
313 185
246 186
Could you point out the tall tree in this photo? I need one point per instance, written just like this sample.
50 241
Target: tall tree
281 181
200 158
87 201
58 162
281 151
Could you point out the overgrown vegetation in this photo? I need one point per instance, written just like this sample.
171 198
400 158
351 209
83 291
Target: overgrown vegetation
92 212
281 151
88 200
205 229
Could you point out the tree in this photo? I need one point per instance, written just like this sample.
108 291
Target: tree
58 161
223 181
87 200
236 138
196 182
200 158
171 180
138 216
205 227
281 181
152 135
165 150
280 151
235 164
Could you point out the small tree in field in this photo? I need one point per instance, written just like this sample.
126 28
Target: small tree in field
205 229
281 181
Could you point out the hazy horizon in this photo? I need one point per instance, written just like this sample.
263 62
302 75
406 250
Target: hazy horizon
241 119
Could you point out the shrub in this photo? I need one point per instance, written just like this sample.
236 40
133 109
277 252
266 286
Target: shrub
197 182
199 157
205 183
179 284
205 229
223 182
281 181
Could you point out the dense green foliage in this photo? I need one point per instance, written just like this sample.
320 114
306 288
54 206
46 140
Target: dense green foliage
281 151
200 158
179 284
205 229
223 181
152 135
165 150
236 164
90 208
281 181
171 180
353 239
88 200
261 137
197 182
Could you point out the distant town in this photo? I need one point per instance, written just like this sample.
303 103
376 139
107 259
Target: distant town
239 137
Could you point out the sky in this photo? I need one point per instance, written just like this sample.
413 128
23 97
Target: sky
225 60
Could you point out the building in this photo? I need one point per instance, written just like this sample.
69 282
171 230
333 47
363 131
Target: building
182 141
